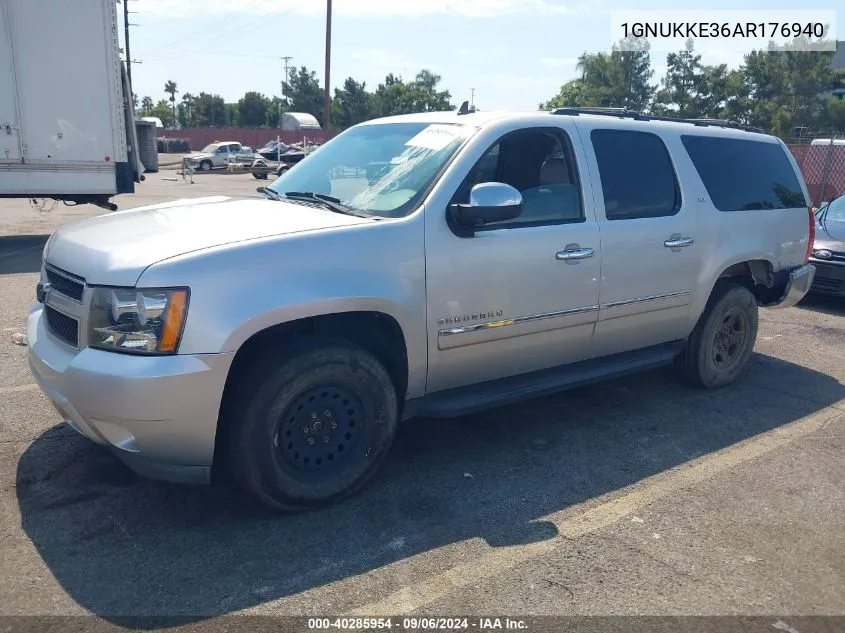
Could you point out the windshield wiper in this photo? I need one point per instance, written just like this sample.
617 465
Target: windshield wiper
270 193
329 202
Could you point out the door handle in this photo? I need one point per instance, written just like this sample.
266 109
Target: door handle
678 242
574 253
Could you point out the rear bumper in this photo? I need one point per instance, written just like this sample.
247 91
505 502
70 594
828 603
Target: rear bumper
157 414
798 284
829 279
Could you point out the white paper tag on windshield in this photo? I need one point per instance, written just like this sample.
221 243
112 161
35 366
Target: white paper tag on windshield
435 137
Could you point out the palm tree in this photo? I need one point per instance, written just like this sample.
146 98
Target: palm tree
147 106
188 105
170 88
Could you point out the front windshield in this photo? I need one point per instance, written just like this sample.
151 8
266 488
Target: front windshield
382 169
209 149
835 210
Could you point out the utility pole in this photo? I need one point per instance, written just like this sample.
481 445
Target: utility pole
327 101
287 75
126 41
472 99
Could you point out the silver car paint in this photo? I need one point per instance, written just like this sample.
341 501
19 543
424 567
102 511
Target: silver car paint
255 263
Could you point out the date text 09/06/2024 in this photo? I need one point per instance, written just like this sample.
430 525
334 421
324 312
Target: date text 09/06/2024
417 624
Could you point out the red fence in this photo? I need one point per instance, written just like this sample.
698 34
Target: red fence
823 168
254 137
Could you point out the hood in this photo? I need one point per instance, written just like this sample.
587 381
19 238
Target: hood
115 249
830 234
196 155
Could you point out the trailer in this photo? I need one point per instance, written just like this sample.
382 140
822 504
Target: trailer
67 128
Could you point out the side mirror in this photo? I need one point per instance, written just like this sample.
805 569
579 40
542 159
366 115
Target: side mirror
488 202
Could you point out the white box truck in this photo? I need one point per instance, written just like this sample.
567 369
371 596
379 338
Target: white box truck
67 128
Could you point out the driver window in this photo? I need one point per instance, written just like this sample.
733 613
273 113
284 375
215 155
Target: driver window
540 165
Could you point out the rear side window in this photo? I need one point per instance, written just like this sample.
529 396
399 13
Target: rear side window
637 176
743 175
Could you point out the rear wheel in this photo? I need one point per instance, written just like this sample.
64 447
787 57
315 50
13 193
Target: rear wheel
316 428
722 342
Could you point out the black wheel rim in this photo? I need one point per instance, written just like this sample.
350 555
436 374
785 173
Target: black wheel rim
319 431
730 338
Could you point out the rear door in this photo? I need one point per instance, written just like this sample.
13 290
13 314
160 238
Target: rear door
650 257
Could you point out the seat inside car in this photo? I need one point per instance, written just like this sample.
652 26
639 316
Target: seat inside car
555 197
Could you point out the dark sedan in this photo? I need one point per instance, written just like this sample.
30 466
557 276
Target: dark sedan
828 254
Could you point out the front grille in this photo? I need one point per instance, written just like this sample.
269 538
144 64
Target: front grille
65 283
62 326
827 284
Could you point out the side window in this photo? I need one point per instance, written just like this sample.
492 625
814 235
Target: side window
223 149
742 175
637 176
541 165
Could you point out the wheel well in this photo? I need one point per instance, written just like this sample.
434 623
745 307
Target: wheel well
376 332
759 277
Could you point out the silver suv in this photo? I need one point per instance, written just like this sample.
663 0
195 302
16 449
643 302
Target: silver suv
493 257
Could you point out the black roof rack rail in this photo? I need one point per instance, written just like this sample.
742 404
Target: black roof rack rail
624 113
618 112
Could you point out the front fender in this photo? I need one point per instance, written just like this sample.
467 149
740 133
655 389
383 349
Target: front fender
242 289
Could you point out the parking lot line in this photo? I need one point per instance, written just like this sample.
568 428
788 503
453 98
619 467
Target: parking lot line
641 494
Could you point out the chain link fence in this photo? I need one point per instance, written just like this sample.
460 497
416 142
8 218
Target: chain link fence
822 163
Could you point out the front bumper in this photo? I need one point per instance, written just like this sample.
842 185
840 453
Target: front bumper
797 286
157 413
829 279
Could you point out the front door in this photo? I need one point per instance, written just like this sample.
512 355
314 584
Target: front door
522 294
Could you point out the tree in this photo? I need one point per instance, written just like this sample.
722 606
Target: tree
394 96
188 111
233 116
352 104
170 88
425 97
274 112
679 94
570 95
252 109
163 111
210 110
147 106
303 93
788 88
619 79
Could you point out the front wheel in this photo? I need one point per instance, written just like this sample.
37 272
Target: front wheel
316 428
205 165
722 342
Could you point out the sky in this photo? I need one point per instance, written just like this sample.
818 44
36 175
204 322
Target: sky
514 53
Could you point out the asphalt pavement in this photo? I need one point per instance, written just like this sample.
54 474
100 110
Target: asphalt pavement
641 496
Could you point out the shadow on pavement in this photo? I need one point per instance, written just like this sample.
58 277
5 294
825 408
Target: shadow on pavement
825 304
21 253
121 546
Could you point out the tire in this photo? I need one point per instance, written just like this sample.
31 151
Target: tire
314 429
281 170
722 342
258 176
205 165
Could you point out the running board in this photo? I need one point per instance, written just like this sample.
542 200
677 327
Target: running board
496 393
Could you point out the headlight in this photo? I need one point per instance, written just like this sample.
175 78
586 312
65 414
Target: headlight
137 321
